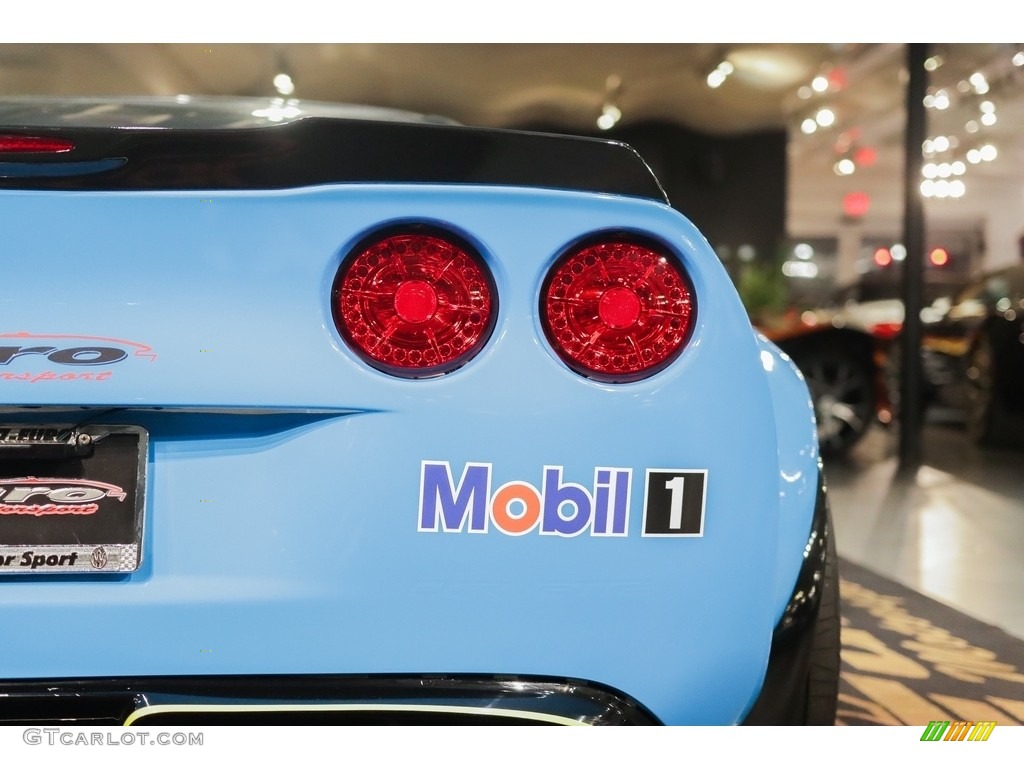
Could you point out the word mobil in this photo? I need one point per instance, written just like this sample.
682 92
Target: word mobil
516 508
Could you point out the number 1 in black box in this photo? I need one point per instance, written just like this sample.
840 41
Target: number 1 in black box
674 502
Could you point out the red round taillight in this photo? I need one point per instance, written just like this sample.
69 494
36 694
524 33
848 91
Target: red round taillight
415 304
617 311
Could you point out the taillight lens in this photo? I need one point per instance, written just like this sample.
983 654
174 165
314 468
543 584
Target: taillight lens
415 304
617 311
26 144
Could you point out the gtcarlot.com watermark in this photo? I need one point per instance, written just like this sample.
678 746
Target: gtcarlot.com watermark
54 737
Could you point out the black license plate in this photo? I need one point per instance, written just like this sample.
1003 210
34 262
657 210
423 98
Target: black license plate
71 498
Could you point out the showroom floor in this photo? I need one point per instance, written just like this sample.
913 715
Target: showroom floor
953 531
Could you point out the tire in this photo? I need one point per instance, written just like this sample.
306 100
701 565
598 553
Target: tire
801 685
822 694
841 381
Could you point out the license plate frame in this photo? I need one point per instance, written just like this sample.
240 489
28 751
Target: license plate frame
76 514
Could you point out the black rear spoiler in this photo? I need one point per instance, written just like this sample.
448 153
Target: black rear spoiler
316 150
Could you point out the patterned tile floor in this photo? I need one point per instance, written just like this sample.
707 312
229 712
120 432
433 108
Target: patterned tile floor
910 660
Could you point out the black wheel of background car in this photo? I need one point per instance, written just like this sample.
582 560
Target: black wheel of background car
823 674
985 416
842 388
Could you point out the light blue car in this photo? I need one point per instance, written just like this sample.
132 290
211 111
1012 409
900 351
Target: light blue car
327 415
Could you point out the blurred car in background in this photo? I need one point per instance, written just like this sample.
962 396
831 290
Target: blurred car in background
973 354
843 353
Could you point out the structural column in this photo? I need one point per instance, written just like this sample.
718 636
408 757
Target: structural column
911 389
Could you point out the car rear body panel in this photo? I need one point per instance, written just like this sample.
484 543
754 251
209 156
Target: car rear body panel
284 509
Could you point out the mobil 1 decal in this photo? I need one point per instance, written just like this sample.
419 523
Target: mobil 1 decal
674 502
474 498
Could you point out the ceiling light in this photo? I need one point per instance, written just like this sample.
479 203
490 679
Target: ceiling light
929 101
898 251
825 117
941 188
973 156
940 143
716 78
988 153
819 84
979 82
720 73
987 106
803 251
768 68
283 83
1018 59
928 188
941 100
958 167
609 116
945 171
804 92
957 188
808 126
845 167
972 126
989 118
930 170
932 63
928 147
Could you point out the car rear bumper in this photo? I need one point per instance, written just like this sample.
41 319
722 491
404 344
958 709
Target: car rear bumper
317 700
405 699
782 700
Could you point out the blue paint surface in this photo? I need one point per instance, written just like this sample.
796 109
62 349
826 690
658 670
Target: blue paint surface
285 475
